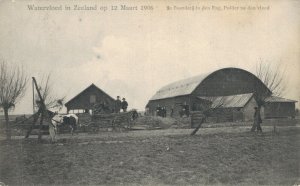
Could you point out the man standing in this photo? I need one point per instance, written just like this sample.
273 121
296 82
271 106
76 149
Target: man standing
257 121
164 112
118 105
158 110
172 112
124 105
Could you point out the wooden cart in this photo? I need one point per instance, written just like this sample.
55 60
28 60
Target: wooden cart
121 121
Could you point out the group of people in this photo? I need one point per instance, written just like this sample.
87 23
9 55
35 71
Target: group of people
161 111
120 105
101 108
104 107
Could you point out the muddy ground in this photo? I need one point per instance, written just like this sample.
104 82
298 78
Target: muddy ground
226 156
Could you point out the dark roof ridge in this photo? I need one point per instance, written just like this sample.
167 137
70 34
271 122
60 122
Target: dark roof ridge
85 90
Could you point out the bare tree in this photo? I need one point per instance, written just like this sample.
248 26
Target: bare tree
12 88
272 76
50 101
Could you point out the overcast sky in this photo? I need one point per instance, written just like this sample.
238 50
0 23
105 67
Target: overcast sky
134 53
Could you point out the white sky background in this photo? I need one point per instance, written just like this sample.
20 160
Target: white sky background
134 53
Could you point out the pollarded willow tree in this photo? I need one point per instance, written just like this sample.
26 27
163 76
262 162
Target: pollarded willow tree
13 81
273 76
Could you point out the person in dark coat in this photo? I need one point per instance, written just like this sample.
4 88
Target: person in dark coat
257 121
118 105
124 105
187 110
106 108
172 112
163 112
158 110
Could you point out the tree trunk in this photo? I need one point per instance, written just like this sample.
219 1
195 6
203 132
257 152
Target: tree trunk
8 132
41 127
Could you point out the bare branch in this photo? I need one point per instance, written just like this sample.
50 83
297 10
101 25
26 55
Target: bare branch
13 85
51 101
272 76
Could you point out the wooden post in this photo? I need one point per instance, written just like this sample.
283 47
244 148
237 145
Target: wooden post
198 127
38 91
41 111
34 121
197 118
40 128
33 97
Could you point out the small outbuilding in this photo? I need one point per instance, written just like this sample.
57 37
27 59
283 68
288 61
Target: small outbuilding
232 108
85 101
277 107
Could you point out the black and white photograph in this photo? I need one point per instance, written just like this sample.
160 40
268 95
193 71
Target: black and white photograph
164 92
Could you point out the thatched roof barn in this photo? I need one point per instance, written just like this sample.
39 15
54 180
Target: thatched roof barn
86 99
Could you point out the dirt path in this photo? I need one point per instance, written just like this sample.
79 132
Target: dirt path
154 133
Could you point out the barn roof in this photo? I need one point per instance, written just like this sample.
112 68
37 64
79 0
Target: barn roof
189 85
91 86
179 88
278 100
233 101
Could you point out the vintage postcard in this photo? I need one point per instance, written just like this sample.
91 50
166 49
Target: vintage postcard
97 92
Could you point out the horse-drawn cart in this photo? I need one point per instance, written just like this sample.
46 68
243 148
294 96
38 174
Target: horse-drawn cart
121 121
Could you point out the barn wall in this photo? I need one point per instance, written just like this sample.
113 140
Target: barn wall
248 110
231 82
83 101
221 115
169 103
224 82
199 104
196 104
279 109
237 115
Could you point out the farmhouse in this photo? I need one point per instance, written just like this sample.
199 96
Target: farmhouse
85 100
238 89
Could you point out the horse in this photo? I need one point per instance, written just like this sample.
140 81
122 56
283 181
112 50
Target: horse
70 120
